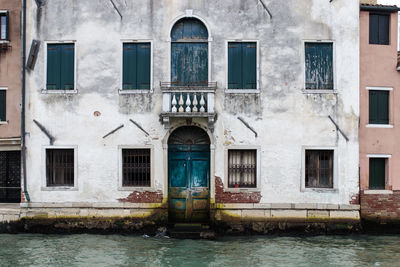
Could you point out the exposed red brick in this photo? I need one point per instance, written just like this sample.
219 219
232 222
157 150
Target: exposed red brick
380 207
228 197
143 197
355 199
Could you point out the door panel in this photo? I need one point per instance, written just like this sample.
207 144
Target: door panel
10 176
189 175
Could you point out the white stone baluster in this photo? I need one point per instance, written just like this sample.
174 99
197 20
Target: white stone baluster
195 109
202 103
174 109
188 103
181 103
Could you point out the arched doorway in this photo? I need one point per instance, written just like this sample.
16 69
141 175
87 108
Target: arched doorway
189 53
188 175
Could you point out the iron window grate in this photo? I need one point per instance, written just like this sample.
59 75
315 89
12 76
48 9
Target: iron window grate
136 167
319 169
242 168
60 167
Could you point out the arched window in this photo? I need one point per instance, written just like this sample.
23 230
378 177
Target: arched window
189 53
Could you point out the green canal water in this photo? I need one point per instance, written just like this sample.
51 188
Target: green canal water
119 250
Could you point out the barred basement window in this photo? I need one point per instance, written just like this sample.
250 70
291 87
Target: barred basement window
242 168
136 167
319 168
60 167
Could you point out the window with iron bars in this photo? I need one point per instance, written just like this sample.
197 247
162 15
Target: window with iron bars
136 167
319 169
60 167
242 168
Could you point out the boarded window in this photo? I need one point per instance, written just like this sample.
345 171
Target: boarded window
60 167
136 66
377 173
379 29
319 65
136 167
4 26
319 169
3 105
242 65
242 168
378 107
60 66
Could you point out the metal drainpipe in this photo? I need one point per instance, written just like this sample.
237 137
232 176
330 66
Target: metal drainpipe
23 59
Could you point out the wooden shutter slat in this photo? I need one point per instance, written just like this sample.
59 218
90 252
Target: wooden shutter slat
129 75
249 66
53 67
373 29
67 66
383 29
234 66
143 67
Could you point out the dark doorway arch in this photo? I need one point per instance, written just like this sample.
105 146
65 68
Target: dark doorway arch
189 175
189 53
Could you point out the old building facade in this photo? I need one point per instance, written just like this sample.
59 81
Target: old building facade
10 101
379 80
205 110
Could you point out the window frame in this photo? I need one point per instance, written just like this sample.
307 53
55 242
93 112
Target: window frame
122 91
5 13
335 180
242 91
5 121
387 158
390 105
389 27
334 90
57 91
120 171
258 168
44 169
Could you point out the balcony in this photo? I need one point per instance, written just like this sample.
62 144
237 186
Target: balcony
188 101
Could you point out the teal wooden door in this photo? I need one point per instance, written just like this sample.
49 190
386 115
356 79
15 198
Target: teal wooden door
189 182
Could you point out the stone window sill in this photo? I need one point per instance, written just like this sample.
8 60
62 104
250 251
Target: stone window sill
60 92
242 91
389 126
320 91
241 190
59 188
138 189
3 122
320 190
134 91
378 192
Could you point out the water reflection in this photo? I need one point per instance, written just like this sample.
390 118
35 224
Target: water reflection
117 250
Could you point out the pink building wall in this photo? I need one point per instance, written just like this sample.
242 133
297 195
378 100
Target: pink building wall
378 69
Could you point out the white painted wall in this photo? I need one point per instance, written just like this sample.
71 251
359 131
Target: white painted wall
285 118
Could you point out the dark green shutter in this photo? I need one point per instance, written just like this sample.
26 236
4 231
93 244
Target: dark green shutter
377 173
319 65
67 66
143 66
378 107
249 66
234 66
53 67
379 29
129 66
2 105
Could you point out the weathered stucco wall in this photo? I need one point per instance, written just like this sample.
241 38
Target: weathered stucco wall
285 118
10 72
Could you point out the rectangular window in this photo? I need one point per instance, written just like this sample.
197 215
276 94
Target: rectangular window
3 105
4 26
60 66
377 173
378 107
319 66
242 65
379 29
136 167
242 168
319 169
60 167
136 66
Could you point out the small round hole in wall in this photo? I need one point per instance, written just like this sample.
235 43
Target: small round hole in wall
96 113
